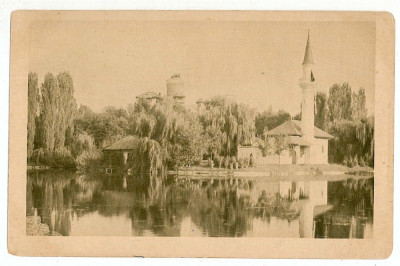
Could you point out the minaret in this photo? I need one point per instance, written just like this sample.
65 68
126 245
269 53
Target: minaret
307 85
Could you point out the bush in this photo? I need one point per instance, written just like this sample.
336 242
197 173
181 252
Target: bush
37 156
210 163
89 159
350 163
197 162
240 162
361 162
226 162
232 162
345 161
235 163
217 161
61 157
355 160
245 162
82 142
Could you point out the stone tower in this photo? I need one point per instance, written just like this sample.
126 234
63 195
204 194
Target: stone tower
175 89
307 85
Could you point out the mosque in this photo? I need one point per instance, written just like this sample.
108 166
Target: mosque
307 143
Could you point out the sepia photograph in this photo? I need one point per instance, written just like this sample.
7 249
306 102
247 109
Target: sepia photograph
205 128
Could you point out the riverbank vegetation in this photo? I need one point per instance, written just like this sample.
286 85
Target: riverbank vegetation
61 134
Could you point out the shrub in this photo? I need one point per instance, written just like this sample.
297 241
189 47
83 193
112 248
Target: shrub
61 157
226 162
344 161
197 162
217 161
232 162
350 163
210 163
82 142
37 156
89 159
245 162
235 163
240 162
361 162
355 160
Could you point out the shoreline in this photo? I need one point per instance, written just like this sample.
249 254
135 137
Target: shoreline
280 172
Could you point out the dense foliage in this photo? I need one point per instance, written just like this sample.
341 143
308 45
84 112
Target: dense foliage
231 122
57 111
347 121
268 120
33 107
175 129
61 135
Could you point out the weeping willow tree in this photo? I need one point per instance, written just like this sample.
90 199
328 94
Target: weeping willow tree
147 161
176 130
236 122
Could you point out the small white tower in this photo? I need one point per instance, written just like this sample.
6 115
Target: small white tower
175 89
307 85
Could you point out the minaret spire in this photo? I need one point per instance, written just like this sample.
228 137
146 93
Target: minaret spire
307 85
308 58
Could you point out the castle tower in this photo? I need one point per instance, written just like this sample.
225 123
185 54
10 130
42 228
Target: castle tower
175 89
307 85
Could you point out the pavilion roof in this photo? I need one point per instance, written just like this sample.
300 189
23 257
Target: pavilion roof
293 128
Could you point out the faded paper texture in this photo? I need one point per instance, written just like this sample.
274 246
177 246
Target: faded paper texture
247 134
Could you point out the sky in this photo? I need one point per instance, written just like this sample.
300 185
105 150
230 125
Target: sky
258 62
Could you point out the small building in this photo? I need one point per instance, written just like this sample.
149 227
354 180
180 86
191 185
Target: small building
150 97
116 155
300 150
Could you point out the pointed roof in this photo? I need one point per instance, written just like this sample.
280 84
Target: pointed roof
308 59
293 128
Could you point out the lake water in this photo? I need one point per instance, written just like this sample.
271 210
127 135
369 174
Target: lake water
74 204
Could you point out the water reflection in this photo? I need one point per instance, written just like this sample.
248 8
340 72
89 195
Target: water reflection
75 204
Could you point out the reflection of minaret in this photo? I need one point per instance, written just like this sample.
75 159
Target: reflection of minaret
317 193
307 85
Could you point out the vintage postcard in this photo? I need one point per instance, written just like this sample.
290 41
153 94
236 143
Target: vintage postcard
248 134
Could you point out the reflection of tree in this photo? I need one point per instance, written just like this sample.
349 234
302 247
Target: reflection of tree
48 197
274 205
54 193
161 214
355 196
218 209
353 207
